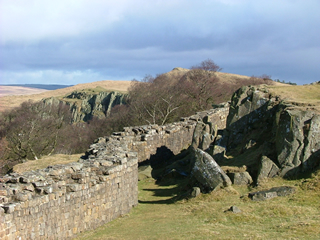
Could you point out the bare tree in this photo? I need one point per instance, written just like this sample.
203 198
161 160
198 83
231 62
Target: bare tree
199 85
32 129
207 65
154 100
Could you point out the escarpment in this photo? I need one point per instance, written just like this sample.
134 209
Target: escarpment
90 103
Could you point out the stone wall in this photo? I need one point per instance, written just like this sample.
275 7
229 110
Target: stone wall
62 200
146 140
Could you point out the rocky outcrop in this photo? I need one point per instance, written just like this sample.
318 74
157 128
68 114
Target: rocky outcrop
88 103
261 126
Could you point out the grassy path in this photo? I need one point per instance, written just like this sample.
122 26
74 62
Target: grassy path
158 217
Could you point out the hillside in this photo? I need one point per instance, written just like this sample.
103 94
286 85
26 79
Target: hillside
10 101
19 90
8 98
39 86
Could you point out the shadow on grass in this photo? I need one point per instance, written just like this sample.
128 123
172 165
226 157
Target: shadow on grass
166 201
173 190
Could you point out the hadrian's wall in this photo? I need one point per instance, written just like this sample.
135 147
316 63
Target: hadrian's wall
146 140
63 200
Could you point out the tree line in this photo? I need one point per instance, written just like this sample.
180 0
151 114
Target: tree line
37 129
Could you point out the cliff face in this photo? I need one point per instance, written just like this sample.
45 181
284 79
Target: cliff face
88 103
261 126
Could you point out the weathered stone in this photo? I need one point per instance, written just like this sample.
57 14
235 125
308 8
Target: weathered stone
207 172
23 196
28 187
78 175
298 137
234 209
240 178
201 136
40 183
267 169
106 163
271 193
196 191
3 192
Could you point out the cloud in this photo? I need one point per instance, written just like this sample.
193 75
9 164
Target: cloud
126 38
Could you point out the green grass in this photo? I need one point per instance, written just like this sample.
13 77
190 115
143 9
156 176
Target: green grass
159 216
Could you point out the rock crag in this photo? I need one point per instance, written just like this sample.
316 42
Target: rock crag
268 135
86 104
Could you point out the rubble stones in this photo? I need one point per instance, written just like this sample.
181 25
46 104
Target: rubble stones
271 193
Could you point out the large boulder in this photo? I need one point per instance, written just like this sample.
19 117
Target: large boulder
207 172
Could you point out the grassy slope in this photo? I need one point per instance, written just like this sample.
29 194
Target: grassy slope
158 217
306 95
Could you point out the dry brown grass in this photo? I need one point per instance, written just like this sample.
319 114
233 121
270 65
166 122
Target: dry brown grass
45 162
9 102
307 94
306 97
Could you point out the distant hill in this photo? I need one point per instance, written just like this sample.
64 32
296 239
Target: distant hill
40 86
9 98
19 91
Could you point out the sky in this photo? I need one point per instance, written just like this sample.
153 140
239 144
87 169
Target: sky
79 41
